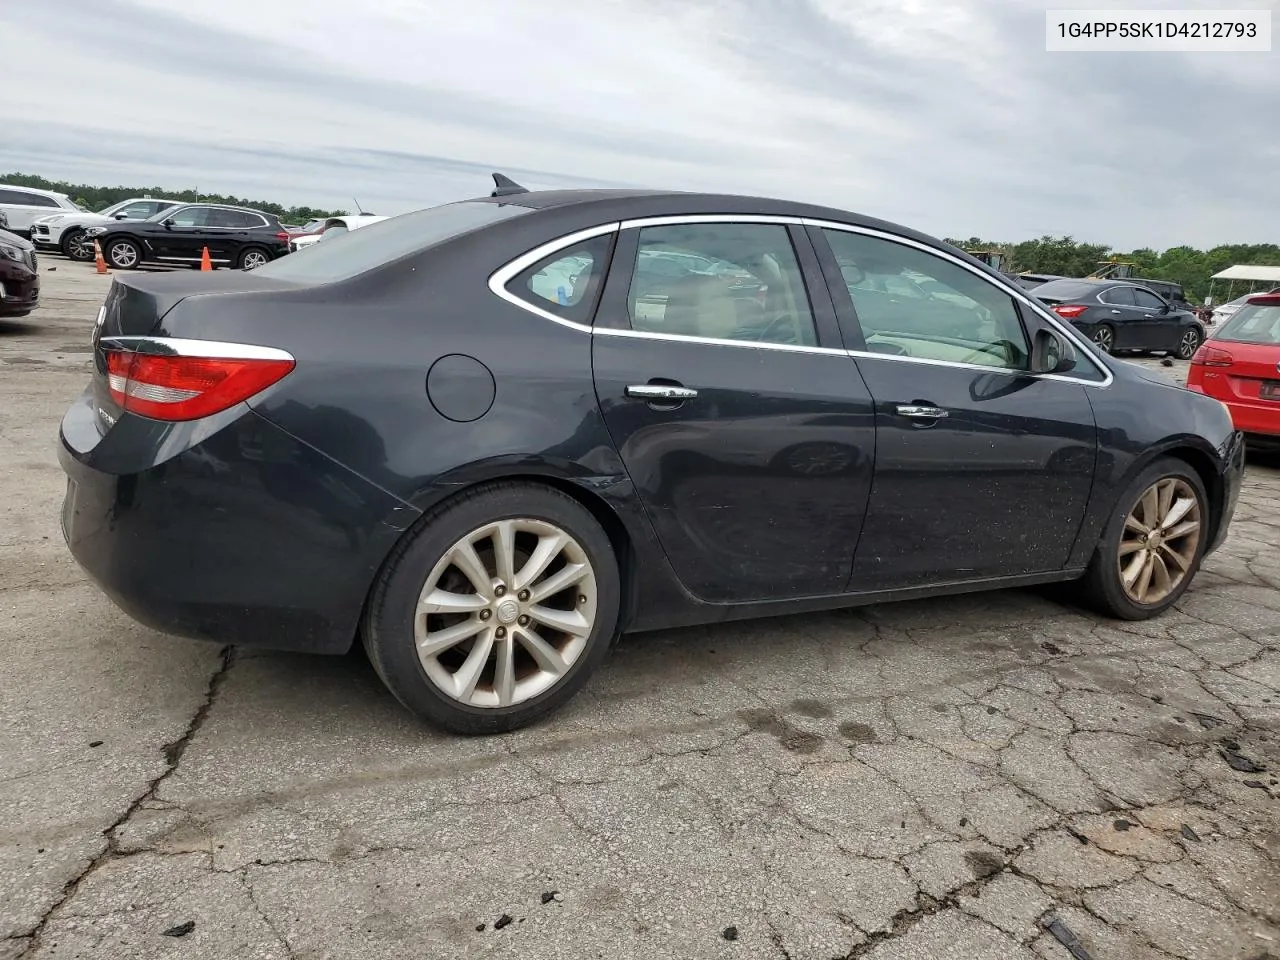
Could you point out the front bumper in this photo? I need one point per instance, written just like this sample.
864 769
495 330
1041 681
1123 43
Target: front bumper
19 292
1232 480
240 535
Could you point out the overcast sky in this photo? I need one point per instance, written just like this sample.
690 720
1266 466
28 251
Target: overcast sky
946 115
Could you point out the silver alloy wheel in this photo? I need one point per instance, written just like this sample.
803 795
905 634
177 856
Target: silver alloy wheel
254 259
1190 341
505 613
1104 338
124 254
80 247
1159 541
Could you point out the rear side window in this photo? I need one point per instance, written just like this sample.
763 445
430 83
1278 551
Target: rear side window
350 254
567 282
1253 323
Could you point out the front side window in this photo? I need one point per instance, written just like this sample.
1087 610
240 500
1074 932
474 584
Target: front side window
913 303
136 211
1145 298
194 217
566 282
724 281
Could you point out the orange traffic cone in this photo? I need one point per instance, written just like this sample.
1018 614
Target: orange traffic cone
97 257
205 262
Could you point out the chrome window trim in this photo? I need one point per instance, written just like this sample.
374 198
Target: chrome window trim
179 347
499 279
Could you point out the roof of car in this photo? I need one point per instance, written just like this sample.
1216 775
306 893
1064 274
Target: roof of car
658 203
35 190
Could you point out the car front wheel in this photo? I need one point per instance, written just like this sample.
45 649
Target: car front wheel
123 254
1189 344
496 609
1153 544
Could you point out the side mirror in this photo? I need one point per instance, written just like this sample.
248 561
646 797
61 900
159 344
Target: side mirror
1050 353
168 222
121 216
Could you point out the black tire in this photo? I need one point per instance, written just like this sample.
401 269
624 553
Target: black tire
115 254
388 628
1101 585
74 247
1104 332
1192 337
251 255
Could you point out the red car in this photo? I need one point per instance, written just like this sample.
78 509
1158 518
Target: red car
1240 365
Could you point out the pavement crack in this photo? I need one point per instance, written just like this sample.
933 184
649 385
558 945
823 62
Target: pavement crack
172 753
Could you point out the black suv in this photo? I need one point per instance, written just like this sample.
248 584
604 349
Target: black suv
234 236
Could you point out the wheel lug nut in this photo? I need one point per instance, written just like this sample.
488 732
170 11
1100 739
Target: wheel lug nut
499 590
524 594
486 614
501 632
523 621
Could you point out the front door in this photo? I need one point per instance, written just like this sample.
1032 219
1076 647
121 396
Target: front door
743 424
1162 327
185 238
982 470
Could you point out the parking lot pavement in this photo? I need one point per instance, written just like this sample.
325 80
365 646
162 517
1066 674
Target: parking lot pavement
905 782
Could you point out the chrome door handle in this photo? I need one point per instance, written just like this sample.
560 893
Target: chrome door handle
1117 312
660 391
928 413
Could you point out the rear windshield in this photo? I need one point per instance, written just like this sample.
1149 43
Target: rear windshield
345 255
1065 290
1252 323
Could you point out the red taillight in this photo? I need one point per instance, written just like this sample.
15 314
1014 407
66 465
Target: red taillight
1208 356
183 387
1069 310
284 236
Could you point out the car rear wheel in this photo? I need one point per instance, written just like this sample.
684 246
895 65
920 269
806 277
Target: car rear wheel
496 610
1189 344
1104 338
76 246
123 254
252 258
1153 543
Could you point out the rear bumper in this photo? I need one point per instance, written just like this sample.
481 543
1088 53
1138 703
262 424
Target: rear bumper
242 536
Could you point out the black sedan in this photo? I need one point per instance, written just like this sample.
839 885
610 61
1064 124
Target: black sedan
234 236
460 435
1121 316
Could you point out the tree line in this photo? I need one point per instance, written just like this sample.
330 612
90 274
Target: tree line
1188 266
98 198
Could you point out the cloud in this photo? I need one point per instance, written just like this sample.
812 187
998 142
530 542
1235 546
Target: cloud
947 116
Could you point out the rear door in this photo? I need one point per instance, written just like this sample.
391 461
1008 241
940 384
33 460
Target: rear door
982 469
186 233
1118 310
738 416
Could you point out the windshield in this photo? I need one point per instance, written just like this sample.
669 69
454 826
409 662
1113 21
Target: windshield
357 251
1253 323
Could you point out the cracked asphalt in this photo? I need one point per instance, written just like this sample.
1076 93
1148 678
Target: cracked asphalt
917 781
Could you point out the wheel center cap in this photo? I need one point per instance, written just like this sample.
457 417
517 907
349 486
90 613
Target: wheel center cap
508 611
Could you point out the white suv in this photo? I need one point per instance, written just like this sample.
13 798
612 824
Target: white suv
65 232
24 205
